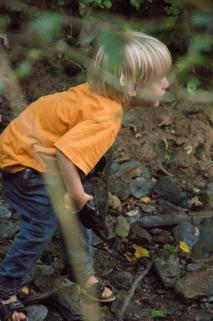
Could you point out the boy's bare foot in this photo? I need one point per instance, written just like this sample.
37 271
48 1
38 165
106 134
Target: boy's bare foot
17 316
107 293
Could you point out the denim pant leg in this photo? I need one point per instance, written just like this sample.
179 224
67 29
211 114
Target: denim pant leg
81 257
83 260
37 225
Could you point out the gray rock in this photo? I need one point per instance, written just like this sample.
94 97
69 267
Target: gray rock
8 229
162 220
199 216
141 187
148 208
122 227
36 312
67 299
4 211
120 189
194 267
161 236
53 316
186 232
139 235
122 280
130 169
195 285
204 316
167 207
167 189
204 247
168 269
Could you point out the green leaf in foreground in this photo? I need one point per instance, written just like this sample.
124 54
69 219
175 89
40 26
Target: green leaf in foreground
155 314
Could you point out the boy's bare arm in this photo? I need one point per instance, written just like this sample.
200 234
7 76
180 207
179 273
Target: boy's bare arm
72 181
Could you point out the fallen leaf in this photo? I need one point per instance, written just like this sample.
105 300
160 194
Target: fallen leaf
130 257
138 135
157 314
25 290
195 190
188 149
140 251
184 247
146 200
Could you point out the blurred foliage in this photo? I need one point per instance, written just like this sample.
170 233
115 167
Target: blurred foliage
57 28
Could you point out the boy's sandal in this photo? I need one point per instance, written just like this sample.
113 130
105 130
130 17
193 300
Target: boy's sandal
7 310
95 291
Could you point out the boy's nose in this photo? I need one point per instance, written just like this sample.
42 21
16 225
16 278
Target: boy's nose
165 83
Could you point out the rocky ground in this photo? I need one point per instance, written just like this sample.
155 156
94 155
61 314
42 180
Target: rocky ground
158 256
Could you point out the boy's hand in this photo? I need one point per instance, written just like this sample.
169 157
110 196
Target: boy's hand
78 202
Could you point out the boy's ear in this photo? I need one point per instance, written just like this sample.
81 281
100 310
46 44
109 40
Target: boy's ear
129 86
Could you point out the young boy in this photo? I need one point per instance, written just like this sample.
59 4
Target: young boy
75 129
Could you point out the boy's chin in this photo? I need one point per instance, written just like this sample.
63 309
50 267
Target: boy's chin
156 104
145 103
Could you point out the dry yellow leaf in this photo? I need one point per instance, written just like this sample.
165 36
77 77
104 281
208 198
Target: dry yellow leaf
25 290
188 149
184 247
146 200
140 251
129 257
195 190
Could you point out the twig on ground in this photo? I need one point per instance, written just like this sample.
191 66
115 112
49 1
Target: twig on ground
132 290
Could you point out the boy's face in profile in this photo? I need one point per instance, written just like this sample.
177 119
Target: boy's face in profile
152 94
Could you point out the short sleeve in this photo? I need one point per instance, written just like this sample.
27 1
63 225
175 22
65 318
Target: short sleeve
86 143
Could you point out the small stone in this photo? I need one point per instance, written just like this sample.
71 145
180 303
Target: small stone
167 189
139 235
187 233
53 316
141 187
122 227
204 316
194 267
161 236
163 239
122 280
36 312
195 285
120 189
168 270
162 220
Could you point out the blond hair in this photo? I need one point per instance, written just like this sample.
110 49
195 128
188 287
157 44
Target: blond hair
145 59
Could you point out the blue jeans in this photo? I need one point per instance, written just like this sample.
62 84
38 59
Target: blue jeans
27 193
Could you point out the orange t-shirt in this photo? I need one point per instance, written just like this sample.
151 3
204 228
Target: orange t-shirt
81 124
